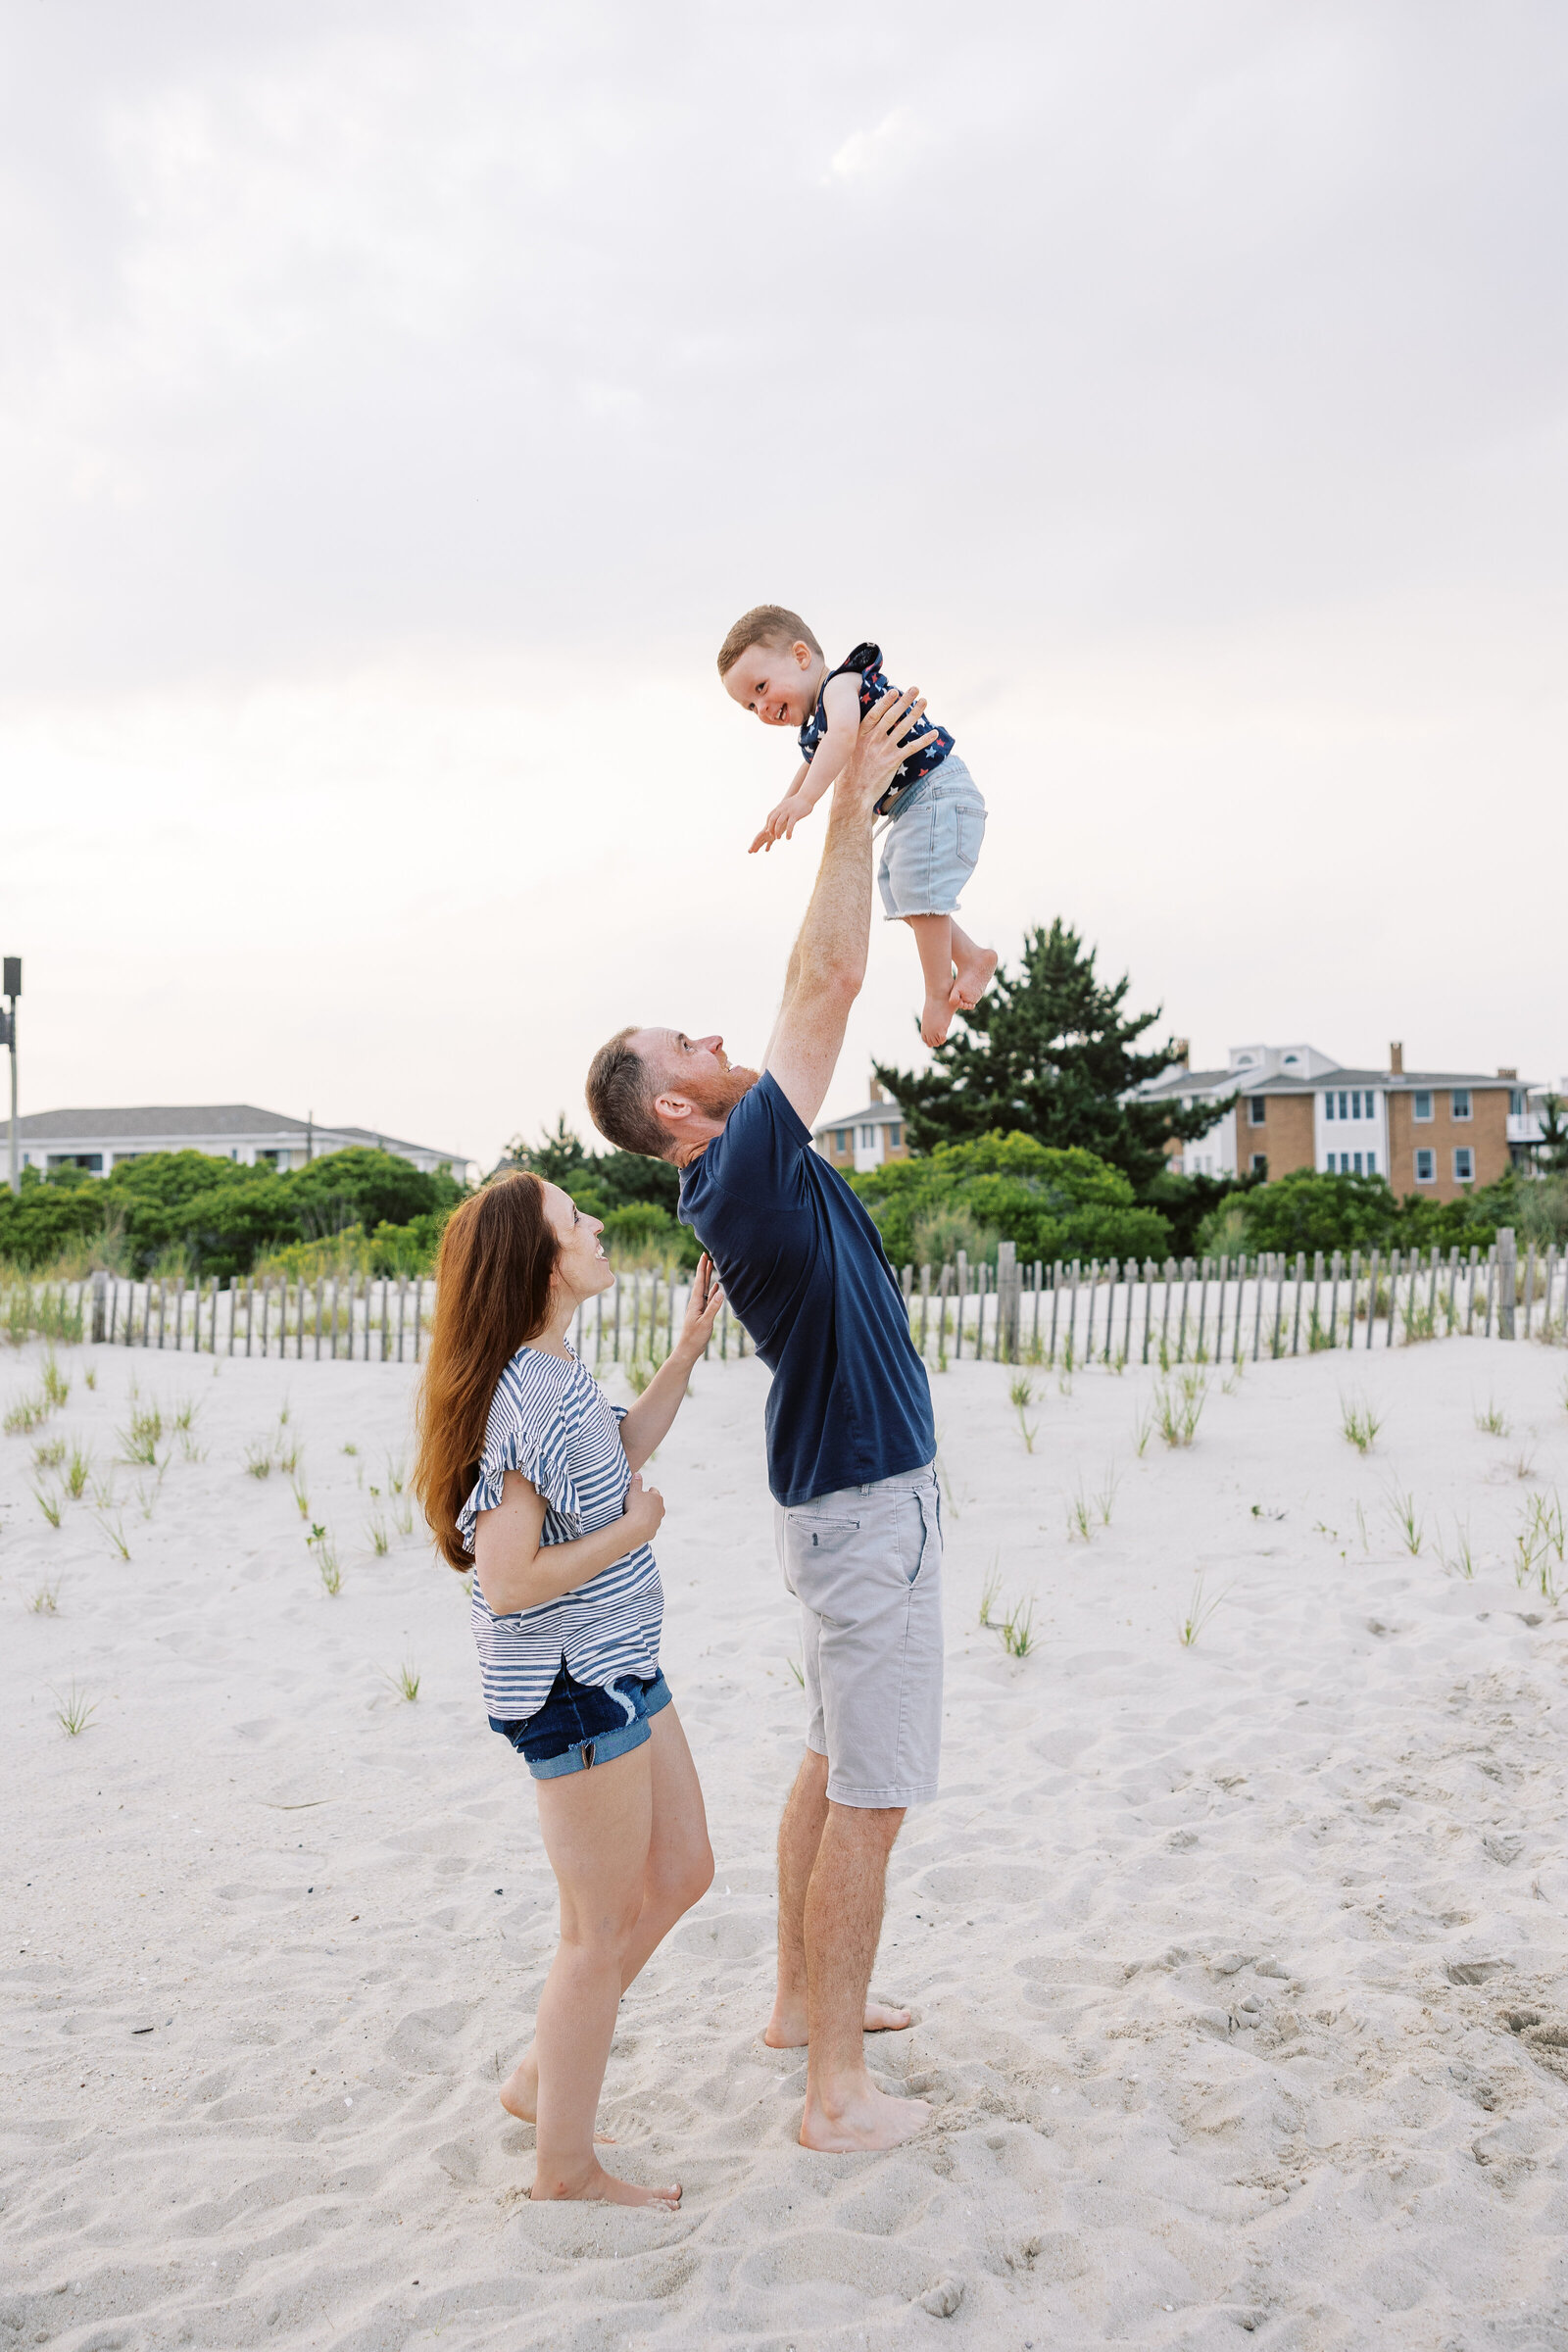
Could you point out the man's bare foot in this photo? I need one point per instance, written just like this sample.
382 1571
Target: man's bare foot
519 2096
936 1017
786 2027
595 2184
972 978
868 2118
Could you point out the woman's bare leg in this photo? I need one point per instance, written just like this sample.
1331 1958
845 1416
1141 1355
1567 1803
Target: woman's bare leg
598 1828
678 1873
933 935
972 978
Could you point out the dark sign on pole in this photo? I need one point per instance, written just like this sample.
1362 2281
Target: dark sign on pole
11 985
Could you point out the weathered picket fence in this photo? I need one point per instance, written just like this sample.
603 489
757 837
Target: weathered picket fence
1223 1309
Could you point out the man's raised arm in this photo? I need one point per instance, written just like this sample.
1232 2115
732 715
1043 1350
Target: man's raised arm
827 963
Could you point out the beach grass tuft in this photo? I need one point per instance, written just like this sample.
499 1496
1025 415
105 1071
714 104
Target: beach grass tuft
1493 1422
1198 1612
1407 1518
56 1387
1017 1629
258 1462
326 1560
78 1467
1359 1423
89 1379
380 1539
74 1712
295 1487
141 1437
406 1681
1459 1557
990 1594
46 1599
1021 1396
794 1665
49 1505
49 1453
114 1530
25 1413
1179 1404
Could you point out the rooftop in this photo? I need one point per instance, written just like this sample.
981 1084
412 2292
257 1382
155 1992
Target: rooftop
165 1123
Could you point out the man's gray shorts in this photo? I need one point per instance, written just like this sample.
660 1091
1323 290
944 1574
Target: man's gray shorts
865 1565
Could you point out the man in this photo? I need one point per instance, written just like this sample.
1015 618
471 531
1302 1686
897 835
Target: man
851 1446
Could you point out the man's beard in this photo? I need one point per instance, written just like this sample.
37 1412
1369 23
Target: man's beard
718 1097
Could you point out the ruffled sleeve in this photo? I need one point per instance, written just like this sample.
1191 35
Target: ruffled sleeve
530 1437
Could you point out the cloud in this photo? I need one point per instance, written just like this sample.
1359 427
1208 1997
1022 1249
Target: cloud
396 408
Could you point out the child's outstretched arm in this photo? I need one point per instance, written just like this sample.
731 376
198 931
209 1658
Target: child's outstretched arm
840 707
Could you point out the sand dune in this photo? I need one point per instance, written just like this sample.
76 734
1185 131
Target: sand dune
1240 1969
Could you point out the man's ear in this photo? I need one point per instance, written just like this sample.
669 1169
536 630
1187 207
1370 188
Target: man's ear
674 1109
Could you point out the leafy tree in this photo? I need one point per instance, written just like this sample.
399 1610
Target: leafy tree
1551 1153
598 1180
1052 1204
362 1186
1307 1210
1050 1052
44 1220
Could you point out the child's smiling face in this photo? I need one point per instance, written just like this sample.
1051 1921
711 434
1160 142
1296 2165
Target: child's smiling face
779 682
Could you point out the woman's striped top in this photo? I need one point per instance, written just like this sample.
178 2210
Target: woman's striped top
550 1419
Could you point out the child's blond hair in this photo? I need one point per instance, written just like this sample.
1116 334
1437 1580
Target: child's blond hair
763 624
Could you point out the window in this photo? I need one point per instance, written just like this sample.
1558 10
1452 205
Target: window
1459 1102
1328 1103
896 1135
1516 1104
1371 1163
1426 1168
1344 1104
841 1139
867 1139
1358 1163
1421 1106
1259 1163
1464 1164
1258 1111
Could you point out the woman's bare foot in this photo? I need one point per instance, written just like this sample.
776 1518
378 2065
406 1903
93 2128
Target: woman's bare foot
519 2096
595 2184
786 2027
936 1017
519 2092
868 2118
972 978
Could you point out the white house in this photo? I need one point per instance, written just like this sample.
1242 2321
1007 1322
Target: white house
96 1140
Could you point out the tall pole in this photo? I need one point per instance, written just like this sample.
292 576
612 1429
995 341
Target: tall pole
13 988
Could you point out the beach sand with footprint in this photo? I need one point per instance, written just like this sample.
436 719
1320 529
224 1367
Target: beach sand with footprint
1240 1969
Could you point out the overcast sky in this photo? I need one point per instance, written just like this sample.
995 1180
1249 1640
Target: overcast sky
399 402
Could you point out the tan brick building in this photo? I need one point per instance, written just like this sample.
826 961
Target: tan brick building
1436 1134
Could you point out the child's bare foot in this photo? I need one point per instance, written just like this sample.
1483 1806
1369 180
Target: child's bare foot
971 979
786 2027
937 1017
519 2096
593 2183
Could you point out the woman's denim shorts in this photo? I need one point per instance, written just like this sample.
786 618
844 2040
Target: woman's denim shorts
932 843
581 1725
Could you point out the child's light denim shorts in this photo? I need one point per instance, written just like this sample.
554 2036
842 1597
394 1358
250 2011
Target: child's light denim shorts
932 844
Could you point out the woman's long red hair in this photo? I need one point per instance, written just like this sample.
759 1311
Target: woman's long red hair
493 1278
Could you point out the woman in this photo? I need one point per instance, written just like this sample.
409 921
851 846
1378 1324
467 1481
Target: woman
522 1465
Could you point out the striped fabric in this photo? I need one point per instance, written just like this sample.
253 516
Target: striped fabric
550 1419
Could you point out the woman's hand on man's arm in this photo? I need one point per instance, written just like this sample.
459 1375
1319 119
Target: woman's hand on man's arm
516 1571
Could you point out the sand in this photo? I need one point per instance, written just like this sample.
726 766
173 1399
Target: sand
1240 1969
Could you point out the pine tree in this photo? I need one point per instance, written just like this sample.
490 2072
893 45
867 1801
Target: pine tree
1050 1052
1551 1153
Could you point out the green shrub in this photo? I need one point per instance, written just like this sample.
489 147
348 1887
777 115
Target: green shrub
643 1234
1049 1203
